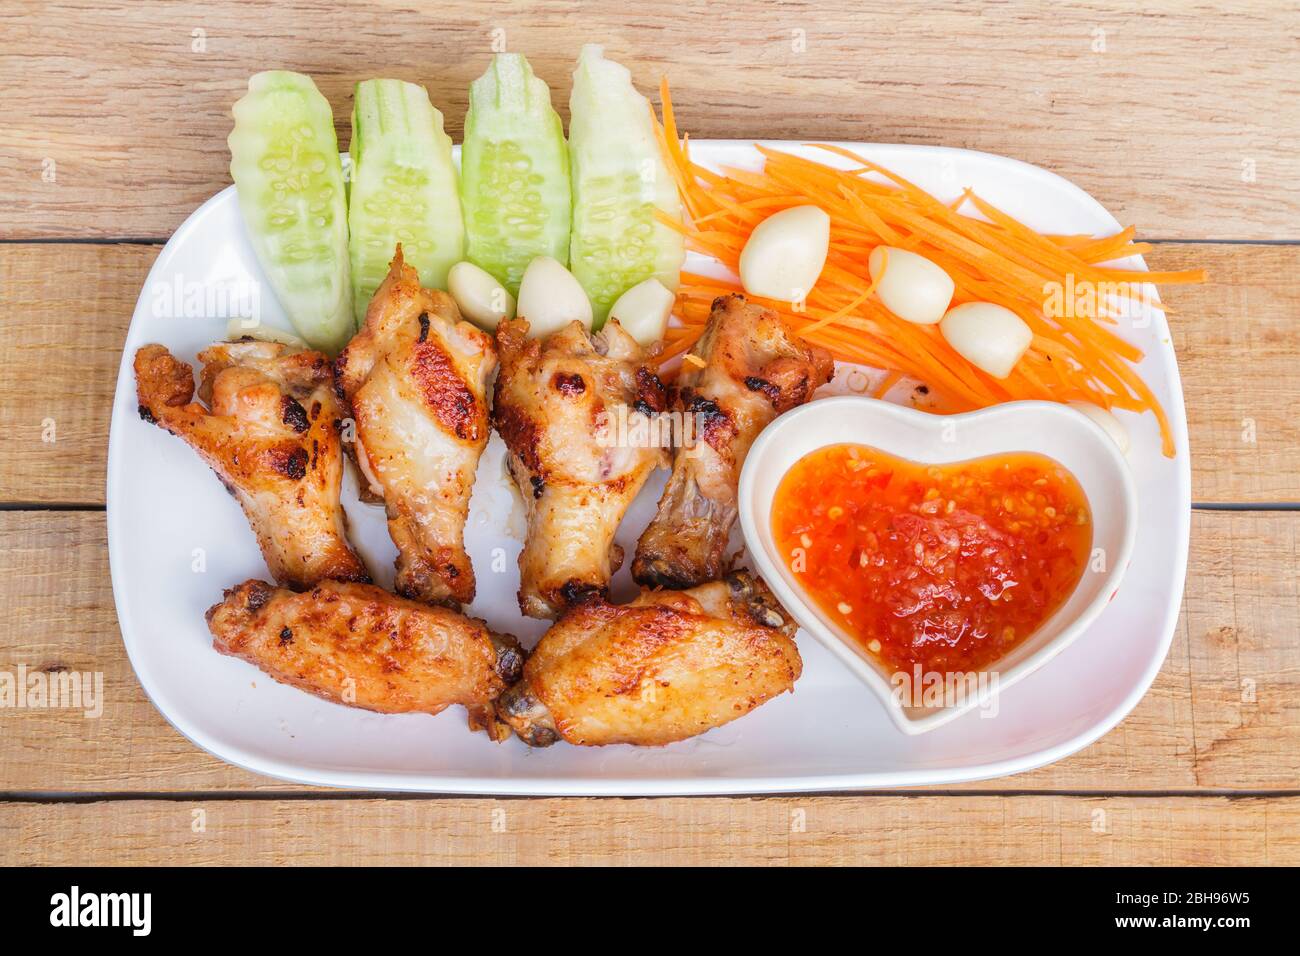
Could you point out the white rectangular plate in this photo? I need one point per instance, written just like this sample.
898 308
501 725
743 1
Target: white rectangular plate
176 539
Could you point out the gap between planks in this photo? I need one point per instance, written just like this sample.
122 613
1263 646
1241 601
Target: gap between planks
163 240
1243 506
317 796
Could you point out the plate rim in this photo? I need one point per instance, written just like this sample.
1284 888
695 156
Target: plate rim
616 786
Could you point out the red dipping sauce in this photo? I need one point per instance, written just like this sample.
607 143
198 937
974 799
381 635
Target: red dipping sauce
945 566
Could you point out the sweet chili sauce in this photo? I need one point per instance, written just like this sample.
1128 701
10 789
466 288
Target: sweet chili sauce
945 566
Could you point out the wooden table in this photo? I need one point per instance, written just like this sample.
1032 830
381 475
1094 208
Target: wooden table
1181 117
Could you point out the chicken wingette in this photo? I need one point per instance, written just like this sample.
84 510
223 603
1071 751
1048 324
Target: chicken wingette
667 666
356 644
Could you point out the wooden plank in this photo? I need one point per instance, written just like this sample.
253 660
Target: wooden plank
64 312
877 830
1235 340
131 104
1238 351
1224 714
60 616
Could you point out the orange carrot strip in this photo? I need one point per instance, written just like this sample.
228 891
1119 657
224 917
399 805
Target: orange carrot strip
995 258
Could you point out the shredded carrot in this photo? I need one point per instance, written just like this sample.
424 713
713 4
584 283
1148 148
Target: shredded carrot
1063 286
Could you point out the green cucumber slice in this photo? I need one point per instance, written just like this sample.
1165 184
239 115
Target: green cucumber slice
619 179
403 189
284 159
514 168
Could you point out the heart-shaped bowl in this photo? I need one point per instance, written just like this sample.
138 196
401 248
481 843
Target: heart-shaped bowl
1045 428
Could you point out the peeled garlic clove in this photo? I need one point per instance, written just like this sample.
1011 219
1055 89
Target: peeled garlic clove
550 298
242 328
643 311
479 296
988 336
1108 422
912 287
785 254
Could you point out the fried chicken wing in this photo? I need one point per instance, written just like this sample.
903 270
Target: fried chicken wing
271 433
357 644
417 378
667 666
754 370
566 407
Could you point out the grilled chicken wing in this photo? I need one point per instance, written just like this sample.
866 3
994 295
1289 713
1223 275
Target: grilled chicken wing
417 378
667 666
271 433
357 644
754 370
566 408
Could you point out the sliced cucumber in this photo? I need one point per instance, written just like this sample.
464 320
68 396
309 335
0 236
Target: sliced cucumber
619 179
404 189
514 169
284 158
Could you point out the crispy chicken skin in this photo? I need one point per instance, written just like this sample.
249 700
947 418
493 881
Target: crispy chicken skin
357 644
416 377
667 666
561 406
754 370
271 433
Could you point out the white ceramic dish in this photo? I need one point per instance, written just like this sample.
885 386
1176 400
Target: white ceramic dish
176 539
1062 434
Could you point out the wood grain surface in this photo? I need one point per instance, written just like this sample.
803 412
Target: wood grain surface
882 829
1224 713
1172 111
1238 375
1179 116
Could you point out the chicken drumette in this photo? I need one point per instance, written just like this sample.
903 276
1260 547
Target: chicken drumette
357 644
667 666
570 409
271 433
754 369
417 377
